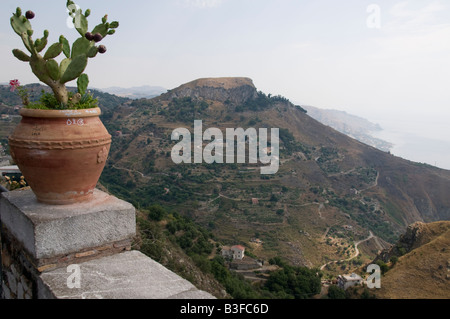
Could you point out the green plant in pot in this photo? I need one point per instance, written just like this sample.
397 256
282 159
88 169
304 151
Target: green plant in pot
61 145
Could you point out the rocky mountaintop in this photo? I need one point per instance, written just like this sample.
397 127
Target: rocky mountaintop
416 235
422 269
234 90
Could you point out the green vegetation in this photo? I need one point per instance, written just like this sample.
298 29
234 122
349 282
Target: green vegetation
367 175
301 109
326 160
234 283
264 102
293 282
334 292
393 211
290 143
261 102
193 239
119 182
184 110
383 266
393 260
195 242
48 101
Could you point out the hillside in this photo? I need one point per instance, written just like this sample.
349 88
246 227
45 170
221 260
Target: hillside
329 192
153 240
332 199
422 270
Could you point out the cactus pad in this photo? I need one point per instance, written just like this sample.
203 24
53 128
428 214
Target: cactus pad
72 67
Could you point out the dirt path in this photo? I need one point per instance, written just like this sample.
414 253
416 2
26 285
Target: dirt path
319 210
326 232
371 235
220 195
131 170
342 173
372 186
359 242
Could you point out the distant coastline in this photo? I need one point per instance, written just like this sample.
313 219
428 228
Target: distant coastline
417 148
423 141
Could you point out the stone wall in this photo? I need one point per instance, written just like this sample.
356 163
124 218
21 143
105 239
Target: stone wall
18 276
78 251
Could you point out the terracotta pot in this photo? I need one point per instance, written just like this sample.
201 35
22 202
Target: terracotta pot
61 153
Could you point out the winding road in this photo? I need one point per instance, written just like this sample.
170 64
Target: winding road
371 235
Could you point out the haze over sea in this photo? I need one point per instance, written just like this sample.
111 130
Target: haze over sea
420 139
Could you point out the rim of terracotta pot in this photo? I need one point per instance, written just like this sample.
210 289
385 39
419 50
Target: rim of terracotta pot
92 112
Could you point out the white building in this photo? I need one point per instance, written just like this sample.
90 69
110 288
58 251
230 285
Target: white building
346 281
235 252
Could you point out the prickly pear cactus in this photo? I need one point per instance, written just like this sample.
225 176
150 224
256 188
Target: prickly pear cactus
45 67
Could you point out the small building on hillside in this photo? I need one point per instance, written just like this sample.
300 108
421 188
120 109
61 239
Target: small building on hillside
234 252
256 241
238 251
346 281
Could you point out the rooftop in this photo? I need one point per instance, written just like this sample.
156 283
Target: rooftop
238 247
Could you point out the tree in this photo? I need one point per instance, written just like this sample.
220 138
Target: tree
383 266
334 292
294 282
393 260
273 198
156 212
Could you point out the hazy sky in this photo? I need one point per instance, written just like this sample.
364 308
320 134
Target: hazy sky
376 59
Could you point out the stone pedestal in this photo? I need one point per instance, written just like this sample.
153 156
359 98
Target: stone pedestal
51 235
44 248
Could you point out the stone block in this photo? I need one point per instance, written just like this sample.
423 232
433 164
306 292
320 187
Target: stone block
127 275
46 231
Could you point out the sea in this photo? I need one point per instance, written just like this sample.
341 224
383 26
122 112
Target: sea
419 139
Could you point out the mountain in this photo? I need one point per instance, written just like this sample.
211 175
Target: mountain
330 192
333 203
137 92
351 125
418 264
